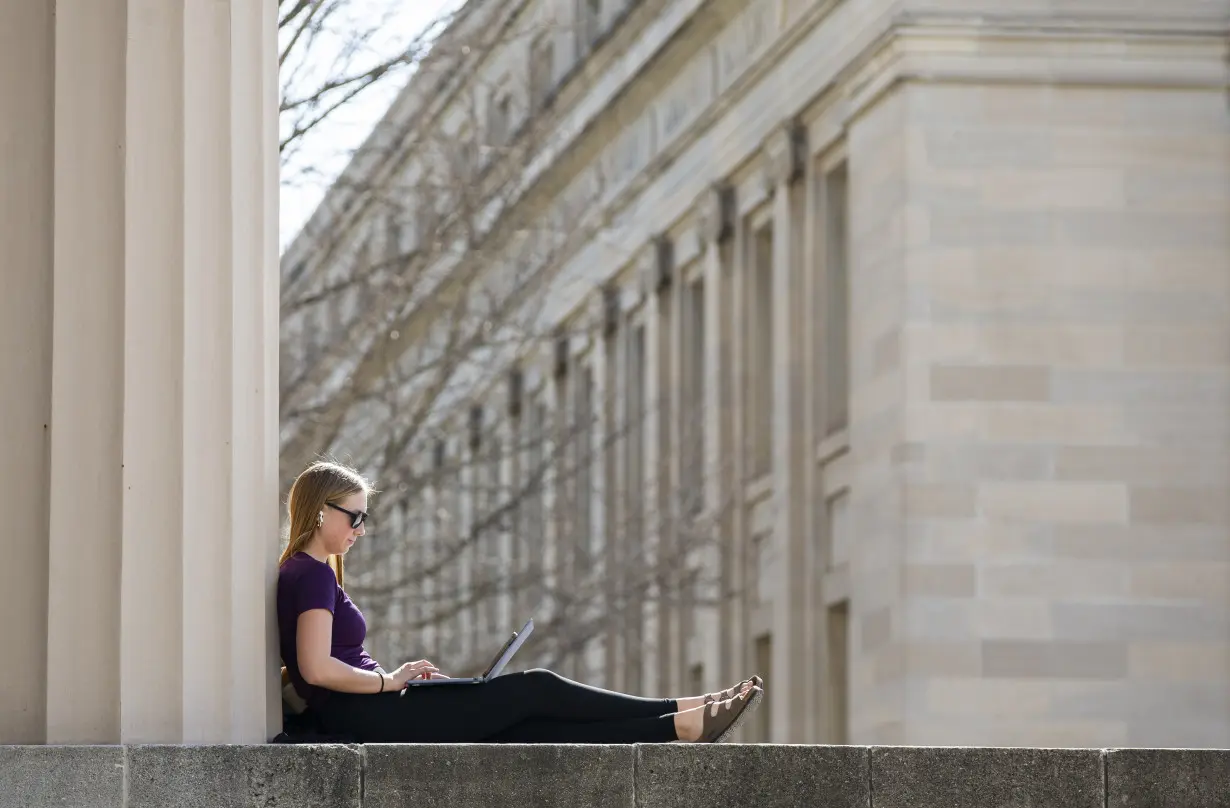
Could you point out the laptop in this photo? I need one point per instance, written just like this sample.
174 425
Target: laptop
510 647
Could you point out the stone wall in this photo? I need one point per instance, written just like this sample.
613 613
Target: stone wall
646 776
1067 351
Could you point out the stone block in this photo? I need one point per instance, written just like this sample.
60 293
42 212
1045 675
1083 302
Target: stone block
702 776
1055 659
1140 622
1161 661
1063 503
61 776
272 776
1169 505
941 580
1014 618
939 500
1010 578
1167 778
1070 425
1055 344
506 776
919 777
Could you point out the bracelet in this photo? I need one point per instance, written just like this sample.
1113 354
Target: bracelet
381 684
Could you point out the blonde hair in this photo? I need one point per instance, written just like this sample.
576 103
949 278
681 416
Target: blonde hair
319 484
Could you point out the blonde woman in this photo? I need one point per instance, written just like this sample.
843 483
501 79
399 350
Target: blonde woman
321 639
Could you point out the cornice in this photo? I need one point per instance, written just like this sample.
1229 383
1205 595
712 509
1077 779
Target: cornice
1022 51
428 94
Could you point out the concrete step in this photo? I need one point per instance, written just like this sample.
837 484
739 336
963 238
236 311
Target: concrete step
642 776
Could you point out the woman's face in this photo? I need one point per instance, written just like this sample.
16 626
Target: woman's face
336 533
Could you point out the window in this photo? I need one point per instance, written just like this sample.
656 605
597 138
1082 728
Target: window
467 154
583 412
457 166
696 679
393 238
692 402
590 23
493 561
759 357
836 310
499 118
762 725
688 625
835 660
837 679
634 485
542 69
534 515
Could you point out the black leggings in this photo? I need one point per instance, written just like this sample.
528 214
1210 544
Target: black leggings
536 706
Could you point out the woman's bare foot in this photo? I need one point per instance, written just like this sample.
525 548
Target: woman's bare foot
689 723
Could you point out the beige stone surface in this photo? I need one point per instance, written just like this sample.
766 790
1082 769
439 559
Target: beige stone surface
990 383
27 78
146 431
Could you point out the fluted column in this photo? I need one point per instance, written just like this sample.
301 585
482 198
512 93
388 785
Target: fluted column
27 115
784 167
160 535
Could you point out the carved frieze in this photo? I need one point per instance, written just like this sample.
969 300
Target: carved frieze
685 98
744 40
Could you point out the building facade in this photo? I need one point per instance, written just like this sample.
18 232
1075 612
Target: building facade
900 333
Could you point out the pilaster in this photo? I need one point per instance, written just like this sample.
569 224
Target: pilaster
27 213
657 286
716 213
785 165
163 399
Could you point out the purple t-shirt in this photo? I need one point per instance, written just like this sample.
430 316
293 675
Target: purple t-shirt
304 584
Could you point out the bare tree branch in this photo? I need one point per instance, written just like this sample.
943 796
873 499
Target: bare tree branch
420 293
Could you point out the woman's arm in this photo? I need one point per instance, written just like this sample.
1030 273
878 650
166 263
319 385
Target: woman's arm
314 639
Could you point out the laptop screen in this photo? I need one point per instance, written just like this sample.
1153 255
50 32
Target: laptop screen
509 649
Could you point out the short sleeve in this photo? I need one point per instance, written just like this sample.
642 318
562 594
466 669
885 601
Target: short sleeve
315 589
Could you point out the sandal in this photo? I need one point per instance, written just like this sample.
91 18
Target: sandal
730 692
724 717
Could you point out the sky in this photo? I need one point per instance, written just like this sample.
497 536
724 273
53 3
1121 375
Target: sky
331 145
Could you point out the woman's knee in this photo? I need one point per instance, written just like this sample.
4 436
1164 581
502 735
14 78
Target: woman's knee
541 680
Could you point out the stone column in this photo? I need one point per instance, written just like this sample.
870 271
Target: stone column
618 335
671 444
737 559
655 280
603 322
163 370
27 77
784 165
716 208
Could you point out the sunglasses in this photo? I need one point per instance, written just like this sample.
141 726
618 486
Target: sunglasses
356 517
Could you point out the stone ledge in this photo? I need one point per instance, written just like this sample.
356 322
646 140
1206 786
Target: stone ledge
642 776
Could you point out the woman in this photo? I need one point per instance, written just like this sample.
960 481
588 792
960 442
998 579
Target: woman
322 633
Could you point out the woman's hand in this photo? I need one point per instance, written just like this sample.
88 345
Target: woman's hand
413 670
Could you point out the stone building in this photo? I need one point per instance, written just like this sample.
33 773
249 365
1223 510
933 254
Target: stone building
926 304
